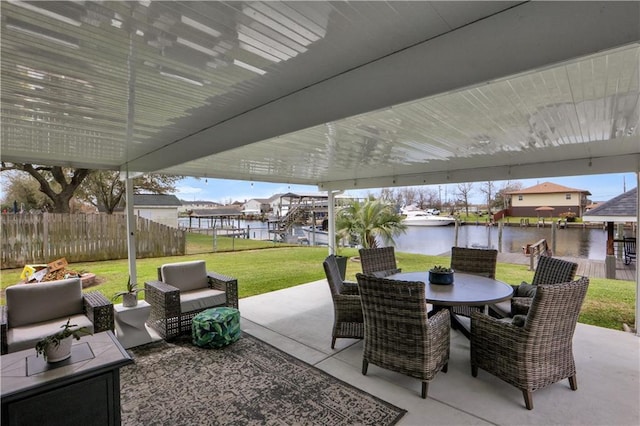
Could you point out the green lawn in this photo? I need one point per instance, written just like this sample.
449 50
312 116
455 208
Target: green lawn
609 303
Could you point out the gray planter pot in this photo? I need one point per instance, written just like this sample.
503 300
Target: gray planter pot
129 300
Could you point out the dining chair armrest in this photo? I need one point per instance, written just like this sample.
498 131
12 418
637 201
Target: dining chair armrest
440 326
349 307
227 284
99 310
350 287
3 329
496 334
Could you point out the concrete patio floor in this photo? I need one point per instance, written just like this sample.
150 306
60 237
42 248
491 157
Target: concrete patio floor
298 321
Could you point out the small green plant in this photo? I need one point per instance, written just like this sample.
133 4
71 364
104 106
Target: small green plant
55 339
131 289
441 269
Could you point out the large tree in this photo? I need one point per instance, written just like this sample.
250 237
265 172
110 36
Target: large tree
368 220
464 193
102 188
502 200
57 183
488 189
23 191
105 189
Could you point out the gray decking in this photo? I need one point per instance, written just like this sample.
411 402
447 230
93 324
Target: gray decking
586 267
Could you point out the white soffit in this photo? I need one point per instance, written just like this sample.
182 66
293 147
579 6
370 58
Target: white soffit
561 120
262 90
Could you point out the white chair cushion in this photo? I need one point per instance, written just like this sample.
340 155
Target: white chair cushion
185 275
26 337
503 308
39 302
201 299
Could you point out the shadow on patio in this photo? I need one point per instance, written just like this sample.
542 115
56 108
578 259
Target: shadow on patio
298 321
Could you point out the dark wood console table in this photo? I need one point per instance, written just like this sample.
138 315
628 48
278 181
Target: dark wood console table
83 390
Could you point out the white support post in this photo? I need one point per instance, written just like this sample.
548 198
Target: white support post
131 231
331 222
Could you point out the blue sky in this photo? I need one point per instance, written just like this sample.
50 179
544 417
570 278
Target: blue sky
602 187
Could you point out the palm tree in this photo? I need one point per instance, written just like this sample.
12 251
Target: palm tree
368 220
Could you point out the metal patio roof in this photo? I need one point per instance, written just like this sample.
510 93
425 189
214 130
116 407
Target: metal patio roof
341 95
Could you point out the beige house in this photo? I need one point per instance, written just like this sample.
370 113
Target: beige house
547 196
161 208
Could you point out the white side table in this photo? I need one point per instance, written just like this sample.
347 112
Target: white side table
129 322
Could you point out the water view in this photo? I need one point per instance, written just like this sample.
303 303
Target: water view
572 242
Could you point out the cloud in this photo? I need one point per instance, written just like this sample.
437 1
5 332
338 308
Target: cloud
184 190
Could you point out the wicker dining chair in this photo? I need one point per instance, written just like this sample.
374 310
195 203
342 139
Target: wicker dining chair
347 309
532 351
398 335
473 261
550 270
380 262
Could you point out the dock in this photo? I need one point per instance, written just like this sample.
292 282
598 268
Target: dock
586 267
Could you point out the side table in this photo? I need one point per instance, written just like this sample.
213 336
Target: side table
130 324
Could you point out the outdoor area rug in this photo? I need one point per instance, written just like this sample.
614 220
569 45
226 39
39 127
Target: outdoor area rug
247 383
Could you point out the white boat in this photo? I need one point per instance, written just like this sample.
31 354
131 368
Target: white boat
422 218
315 235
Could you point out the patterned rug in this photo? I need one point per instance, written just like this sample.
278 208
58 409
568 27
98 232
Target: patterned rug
247 383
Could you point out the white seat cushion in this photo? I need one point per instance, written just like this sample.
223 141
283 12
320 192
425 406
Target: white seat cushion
185 276
26 336
201 299
502 308
34 303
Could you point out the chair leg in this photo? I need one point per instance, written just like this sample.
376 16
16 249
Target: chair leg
425 389
573 382
445 367
528 399
333 343
365 366
474 370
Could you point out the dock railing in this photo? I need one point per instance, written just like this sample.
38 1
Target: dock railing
539 248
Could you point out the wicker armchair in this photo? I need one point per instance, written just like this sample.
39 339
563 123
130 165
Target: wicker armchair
550 270
398 335
347 309
473 261
34 311
182 291
379 262
537 353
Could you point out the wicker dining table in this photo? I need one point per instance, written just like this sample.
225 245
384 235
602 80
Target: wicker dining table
466 290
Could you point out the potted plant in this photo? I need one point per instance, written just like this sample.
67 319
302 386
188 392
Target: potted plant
130 296
441 275
57 347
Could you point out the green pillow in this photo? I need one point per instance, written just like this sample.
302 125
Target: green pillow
526 290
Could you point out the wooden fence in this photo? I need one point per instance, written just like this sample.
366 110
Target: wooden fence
43 238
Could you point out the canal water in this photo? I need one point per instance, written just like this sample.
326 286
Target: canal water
587 243
581 242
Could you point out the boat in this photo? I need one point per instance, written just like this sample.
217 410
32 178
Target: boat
423 218
316 235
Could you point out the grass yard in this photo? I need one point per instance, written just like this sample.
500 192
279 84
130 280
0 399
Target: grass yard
262 268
